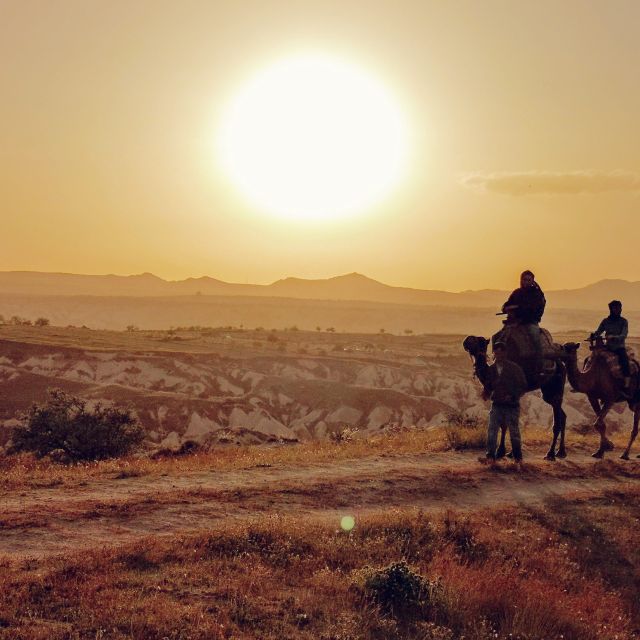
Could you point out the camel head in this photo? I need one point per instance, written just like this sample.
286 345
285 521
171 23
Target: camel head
475 345
571 349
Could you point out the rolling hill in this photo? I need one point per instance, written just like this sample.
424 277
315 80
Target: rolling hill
353 286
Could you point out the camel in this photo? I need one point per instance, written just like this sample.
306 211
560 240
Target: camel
551 383
604 389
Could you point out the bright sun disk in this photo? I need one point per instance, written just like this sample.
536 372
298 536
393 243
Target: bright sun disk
313 137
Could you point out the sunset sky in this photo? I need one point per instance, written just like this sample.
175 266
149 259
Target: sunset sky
522 121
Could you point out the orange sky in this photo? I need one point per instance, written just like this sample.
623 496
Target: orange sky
523 120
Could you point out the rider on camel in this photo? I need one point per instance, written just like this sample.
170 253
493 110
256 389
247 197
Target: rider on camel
615 329
526 306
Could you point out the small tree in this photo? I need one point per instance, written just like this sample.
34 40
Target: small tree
408 331
42 322
65 425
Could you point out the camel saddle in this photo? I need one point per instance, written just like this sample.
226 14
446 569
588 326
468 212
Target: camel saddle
613 361
521 350
517 337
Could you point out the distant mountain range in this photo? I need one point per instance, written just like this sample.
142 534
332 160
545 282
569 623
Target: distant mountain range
349 287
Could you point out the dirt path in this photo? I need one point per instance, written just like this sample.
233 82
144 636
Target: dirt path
48 521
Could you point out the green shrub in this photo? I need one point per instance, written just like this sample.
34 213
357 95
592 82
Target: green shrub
64 425
400 592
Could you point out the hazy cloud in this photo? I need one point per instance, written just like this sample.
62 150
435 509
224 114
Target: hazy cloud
525 183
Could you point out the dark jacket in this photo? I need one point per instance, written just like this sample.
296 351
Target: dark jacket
529 303
615 329
505 388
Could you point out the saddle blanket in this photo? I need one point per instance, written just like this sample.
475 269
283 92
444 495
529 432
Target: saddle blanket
614 362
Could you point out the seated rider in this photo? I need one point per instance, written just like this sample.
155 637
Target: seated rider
615 329
526 305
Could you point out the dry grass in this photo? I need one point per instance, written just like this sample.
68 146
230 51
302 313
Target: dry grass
465 432
25 471
568 569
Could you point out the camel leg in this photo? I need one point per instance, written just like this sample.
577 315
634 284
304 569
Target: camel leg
601 428
634 432
595 404
559 423
502 449
560 418
551 454
552 394
597 408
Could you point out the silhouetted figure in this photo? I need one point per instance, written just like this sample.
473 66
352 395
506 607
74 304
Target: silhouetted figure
504 384
526 306
615 329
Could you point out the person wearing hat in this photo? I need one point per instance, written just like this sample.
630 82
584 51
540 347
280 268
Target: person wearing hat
505 384
526 304
615 329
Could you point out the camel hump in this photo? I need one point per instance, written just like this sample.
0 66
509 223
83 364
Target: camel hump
613 362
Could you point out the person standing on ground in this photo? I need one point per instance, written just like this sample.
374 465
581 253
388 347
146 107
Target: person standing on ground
505 385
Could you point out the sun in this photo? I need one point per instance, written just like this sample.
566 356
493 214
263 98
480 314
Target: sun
313 137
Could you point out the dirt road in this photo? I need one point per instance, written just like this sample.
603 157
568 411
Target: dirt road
47 521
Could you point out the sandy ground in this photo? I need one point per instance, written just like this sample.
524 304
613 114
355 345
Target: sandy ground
47 521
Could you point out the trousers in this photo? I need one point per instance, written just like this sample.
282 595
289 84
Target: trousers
504 416
533 329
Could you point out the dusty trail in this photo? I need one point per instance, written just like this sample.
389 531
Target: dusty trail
47 521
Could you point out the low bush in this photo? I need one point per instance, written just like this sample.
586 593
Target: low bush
464 431
399 591
66 428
